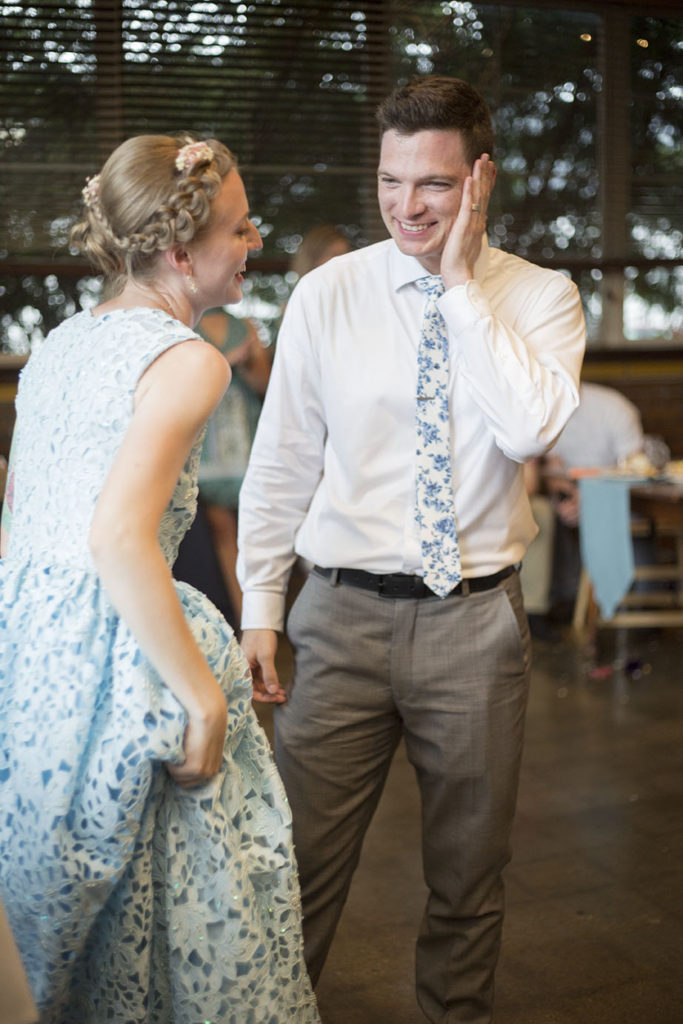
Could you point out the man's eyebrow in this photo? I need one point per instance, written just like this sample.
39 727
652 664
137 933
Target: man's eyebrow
441 175
448 176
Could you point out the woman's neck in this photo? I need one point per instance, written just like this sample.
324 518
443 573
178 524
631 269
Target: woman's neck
155 295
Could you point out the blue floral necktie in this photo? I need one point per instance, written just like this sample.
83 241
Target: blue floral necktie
434 503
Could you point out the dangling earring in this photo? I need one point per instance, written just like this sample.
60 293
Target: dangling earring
192 284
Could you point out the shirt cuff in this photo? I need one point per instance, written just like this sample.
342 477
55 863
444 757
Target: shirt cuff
463 306
263 609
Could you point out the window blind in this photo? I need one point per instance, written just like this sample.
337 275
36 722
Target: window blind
291 86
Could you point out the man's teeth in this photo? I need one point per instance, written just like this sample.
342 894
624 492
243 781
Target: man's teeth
414 228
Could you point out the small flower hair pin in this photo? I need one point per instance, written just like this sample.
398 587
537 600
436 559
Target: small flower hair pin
191 154
91 190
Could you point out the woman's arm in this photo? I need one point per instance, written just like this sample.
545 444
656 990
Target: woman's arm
7 505
173 400
252 361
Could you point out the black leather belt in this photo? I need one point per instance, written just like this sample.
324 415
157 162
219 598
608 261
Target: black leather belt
402 584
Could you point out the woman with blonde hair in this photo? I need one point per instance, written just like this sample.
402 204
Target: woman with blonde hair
146 864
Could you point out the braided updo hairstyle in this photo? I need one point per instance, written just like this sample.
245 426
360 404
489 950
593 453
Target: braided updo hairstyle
141 204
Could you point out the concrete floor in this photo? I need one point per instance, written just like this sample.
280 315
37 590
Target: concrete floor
594 927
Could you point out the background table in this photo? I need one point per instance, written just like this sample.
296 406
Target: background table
656 506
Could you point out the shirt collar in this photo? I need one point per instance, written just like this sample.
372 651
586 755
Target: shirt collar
405 270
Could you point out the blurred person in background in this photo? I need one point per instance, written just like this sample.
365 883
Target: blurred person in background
208 554
320 244
604 432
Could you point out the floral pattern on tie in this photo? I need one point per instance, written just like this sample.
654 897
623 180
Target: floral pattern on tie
434 503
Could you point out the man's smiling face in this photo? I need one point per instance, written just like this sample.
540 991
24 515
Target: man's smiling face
419 187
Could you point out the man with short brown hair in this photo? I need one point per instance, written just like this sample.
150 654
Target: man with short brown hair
412 380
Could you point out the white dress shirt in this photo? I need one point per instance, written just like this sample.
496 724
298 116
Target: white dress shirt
332 470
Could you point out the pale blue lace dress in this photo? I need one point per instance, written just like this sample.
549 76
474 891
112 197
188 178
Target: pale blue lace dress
132 900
